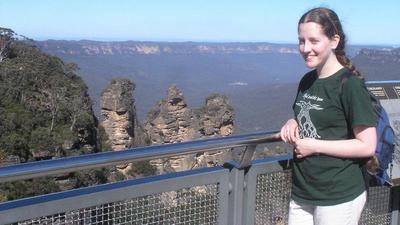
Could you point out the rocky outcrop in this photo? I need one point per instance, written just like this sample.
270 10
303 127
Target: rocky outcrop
171 121
118 110
216 117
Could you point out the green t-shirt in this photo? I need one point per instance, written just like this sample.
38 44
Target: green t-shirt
321 112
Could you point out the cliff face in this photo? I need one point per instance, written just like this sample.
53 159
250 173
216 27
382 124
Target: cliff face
171 121
380 55
118 110
216 116
150 48
383 64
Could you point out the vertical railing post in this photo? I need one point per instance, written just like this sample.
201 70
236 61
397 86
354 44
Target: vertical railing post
252 210
235 199
249 202
237 185
395 195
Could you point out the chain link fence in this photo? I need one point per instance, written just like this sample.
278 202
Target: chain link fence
196 205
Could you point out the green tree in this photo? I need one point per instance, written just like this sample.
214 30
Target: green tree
28 188
142 168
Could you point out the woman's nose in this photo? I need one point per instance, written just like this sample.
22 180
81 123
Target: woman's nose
307 47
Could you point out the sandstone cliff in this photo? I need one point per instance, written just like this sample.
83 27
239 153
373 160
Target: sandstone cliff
156 48
119 112
378 64
216 116
381 55
171 121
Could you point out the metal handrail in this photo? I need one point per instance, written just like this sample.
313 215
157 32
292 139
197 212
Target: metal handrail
97 160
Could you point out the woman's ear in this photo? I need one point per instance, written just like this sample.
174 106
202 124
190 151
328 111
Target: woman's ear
335 41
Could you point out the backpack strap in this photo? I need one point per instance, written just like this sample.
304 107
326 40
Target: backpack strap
343 78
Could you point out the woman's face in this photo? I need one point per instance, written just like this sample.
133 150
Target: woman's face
314 45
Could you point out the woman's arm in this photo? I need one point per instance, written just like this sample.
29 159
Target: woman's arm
363 145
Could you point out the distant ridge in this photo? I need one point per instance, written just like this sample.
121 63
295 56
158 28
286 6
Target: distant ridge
90 47
86 47
379 64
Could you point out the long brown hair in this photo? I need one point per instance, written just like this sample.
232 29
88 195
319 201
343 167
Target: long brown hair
331 26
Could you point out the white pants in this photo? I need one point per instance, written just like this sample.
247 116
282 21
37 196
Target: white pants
347 213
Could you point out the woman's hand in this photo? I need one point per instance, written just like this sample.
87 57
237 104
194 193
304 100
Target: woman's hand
304 147
290 132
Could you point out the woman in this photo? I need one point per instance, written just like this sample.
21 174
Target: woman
333 129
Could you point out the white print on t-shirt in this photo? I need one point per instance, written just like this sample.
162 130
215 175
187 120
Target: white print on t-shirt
307 128
313 97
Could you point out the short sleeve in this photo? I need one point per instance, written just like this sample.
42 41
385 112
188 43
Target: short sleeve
357 103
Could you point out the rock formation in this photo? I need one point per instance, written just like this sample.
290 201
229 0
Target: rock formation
118 110
216 117
171 121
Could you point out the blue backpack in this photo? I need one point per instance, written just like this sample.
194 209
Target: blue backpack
385 146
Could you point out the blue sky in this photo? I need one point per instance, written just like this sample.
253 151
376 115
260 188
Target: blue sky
365 22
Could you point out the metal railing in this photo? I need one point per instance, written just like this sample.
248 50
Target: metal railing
98 160
239 192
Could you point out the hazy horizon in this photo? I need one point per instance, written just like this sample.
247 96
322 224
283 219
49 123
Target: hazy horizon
203 41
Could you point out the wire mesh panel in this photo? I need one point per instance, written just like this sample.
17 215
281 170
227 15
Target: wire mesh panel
377 210
188 206
272 198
